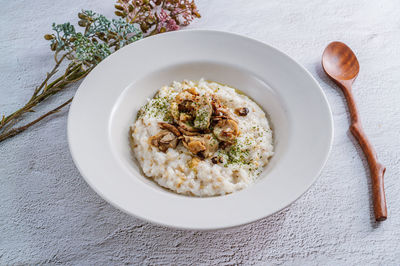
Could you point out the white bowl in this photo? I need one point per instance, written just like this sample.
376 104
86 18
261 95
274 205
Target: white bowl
107 101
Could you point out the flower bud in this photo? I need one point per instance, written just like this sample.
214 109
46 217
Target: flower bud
120 14
119 7
48 37
100 34
82 23
111 36
144 27
82 16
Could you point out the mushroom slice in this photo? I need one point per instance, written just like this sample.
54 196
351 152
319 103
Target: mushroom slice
186 127
195 145
226 130
164 140
223 113
187 132
170 127
167 138
219 118
185 95
202 146
211 144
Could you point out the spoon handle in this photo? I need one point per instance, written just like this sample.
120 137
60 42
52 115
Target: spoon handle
376 168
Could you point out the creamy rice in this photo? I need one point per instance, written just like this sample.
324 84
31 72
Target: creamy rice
232 167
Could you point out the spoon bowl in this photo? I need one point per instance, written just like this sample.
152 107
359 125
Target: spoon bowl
340 62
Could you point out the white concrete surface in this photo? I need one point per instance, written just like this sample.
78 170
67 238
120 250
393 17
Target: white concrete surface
49 215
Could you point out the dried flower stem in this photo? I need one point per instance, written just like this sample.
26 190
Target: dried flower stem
6 126
45 91
15 131
6 120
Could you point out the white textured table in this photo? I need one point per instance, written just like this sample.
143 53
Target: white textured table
48 214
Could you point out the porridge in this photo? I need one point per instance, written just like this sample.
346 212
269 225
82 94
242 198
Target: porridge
201 138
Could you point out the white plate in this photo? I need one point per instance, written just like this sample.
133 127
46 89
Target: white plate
106 103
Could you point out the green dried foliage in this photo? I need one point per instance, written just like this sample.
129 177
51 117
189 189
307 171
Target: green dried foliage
99 39
81 51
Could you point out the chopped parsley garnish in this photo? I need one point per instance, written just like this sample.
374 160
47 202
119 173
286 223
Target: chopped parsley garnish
157 107
202 117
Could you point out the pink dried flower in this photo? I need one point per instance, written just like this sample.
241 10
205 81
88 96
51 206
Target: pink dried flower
165 22
155 16
183 11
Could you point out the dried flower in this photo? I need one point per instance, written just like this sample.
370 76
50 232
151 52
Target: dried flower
156 16
165 22
100 37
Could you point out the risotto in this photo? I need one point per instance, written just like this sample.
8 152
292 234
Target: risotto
201 139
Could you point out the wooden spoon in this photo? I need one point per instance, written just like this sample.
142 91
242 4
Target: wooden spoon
341 65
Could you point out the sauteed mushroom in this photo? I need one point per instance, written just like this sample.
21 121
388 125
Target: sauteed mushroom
202 146
170 127
226 130
242 111
163 140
